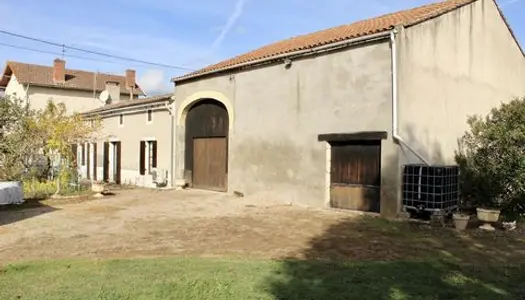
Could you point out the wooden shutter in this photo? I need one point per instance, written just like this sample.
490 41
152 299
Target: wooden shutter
94 161
142 158
88 159
74 152
83 158
106 162
154 156
119 162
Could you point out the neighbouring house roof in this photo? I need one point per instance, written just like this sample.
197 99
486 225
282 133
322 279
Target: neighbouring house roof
38 75
363 28
129 104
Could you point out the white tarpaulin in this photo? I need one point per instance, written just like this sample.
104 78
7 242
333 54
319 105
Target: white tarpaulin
11 193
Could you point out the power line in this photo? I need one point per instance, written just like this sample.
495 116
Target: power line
58 54
64 46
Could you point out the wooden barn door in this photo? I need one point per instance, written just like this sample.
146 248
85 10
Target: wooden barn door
206 153
356 175
210 163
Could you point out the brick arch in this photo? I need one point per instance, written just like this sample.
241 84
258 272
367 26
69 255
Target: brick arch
190 101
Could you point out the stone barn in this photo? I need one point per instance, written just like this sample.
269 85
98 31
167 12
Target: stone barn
328 119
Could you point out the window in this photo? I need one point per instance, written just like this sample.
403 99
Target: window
121 119
148 156
150 115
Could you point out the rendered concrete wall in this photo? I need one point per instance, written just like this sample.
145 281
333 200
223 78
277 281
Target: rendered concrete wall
75 101
279 113
462 63
135 129
15 88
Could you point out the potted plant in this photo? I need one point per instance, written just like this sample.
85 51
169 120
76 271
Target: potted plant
461 220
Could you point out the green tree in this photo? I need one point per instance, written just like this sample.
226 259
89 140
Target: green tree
492 159
61 130
34 141
20 140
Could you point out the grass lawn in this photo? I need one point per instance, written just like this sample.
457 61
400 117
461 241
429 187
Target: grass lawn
183 278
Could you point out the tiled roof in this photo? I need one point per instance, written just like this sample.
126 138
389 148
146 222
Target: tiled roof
332 35
129 103
39 75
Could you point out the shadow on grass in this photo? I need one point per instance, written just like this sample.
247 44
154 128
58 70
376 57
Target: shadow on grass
29 209
376 259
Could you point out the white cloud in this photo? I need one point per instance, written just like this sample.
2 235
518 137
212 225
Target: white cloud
154 82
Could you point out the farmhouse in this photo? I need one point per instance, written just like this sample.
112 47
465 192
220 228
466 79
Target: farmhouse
134 140
329 118
79 90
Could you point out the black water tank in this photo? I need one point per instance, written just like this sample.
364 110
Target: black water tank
431 188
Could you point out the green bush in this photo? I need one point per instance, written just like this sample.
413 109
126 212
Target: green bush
34 189
68 181
492 160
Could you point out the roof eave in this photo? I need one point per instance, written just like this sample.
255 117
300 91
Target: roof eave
125 108
343 43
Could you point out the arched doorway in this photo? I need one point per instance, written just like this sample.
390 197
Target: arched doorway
206 145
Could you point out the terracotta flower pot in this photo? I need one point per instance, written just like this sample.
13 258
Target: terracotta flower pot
460 221
487 216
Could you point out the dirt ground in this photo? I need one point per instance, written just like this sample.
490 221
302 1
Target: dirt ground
146 223
142 222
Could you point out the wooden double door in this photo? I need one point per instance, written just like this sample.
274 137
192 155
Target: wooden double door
206 151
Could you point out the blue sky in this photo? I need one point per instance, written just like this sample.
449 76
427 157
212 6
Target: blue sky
188 33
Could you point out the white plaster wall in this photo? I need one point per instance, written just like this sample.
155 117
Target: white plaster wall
15 88
462 63
136 128
75 101
279 112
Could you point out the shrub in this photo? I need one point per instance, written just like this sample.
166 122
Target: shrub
492 159
68 178
34 189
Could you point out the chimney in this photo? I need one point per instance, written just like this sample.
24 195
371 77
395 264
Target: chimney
113 89
130 78
59 71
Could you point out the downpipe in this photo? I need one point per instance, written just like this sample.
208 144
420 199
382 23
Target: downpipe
395 133
170 109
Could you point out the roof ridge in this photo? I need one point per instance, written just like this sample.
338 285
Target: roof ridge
67 69
41 75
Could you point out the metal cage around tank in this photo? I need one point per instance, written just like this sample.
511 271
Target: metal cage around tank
433 189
